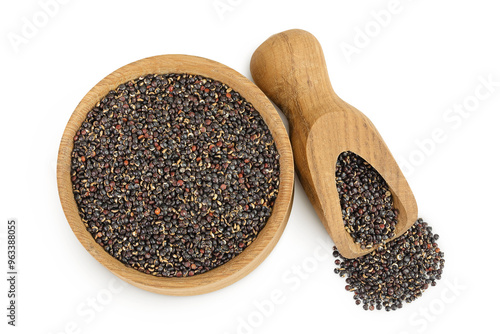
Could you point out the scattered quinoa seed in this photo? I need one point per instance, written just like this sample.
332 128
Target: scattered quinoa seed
397 272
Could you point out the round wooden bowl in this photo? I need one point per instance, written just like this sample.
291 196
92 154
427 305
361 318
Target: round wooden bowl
267 238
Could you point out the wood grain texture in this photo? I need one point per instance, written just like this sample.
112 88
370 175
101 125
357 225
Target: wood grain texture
290 68
254 254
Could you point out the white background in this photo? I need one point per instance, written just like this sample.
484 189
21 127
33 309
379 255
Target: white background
430 57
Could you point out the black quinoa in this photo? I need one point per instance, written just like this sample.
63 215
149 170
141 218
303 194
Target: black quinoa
367 205
397 272
174 174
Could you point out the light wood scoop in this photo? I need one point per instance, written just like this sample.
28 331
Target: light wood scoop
290 68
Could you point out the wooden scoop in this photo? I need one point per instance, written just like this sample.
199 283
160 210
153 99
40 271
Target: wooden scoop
290 68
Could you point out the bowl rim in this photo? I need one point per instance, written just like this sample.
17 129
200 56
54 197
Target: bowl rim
248 259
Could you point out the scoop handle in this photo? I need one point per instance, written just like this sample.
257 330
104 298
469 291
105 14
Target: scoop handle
290 69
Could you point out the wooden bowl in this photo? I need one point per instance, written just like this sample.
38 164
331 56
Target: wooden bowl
267 238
